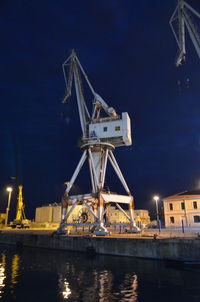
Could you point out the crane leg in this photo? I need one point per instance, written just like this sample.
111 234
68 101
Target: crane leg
100 228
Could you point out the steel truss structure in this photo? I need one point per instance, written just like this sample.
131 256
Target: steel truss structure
100 136
182 15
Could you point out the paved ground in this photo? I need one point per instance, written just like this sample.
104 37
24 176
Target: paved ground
148 235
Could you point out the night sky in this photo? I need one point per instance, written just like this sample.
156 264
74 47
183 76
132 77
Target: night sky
128 51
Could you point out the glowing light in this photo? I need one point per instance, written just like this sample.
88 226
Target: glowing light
66 292
9 189
156 198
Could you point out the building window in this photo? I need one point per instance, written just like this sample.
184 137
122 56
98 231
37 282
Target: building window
117 128
105 129
171 219
171 206
182 205
195 204
196 219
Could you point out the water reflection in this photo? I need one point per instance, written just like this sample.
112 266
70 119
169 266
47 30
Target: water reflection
9 267
126 290
55 276
66 292
14 269
102 286
2 273
64 287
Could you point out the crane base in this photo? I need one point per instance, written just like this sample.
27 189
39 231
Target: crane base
101 231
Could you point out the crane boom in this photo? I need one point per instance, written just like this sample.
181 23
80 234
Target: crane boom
75 68
74 74
184 21
20 205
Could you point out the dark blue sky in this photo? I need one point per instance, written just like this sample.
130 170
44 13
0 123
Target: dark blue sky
128 52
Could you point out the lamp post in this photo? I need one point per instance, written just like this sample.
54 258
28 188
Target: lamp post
156 198
9 190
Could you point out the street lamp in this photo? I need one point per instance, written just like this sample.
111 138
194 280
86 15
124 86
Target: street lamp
156 198
9 190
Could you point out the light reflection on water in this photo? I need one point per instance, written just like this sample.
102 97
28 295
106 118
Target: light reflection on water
2 274
14 269
55 276
66 290
99 286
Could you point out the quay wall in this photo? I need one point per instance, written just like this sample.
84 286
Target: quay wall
171 248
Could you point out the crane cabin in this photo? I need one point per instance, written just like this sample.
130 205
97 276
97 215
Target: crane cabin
114 130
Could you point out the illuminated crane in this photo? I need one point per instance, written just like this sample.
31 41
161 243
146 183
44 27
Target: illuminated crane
20 221
102 130
182 16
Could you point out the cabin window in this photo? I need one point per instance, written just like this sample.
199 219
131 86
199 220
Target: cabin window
105 129
195 204
171 219
182 205
196 219
117 128
171 206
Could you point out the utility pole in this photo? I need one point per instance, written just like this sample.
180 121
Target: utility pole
156 198
9 190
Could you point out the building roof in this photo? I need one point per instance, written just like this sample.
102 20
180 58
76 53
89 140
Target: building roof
185 194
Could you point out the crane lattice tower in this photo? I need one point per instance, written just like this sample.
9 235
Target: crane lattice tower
102 131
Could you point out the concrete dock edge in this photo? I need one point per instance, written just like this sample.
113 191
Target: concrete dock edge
171 248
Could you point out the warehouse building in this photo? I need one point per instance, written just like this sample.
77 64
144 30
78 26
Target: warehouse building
51 214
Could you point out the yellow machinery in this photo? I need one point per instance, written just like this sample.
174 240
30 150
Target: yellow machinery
2 219
20 221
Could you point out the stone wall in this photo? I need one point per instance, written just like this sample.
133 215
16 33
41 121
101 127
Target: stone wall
171 248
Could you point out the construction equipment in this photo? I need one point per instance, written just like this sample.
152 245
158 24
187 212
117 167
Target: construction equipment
20 221
182 16
102 130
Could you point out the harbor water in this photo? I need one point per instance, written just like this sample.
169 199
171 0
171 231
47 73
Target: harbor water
31 274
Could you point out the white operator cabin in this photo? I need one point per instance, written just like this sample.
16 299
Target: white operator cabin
182 209
117 131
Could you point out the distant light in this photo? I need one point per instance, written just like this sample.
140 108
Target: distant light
9 189
156 198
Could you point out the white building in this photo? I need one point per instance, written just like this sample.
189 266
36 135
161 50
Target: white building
182 209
